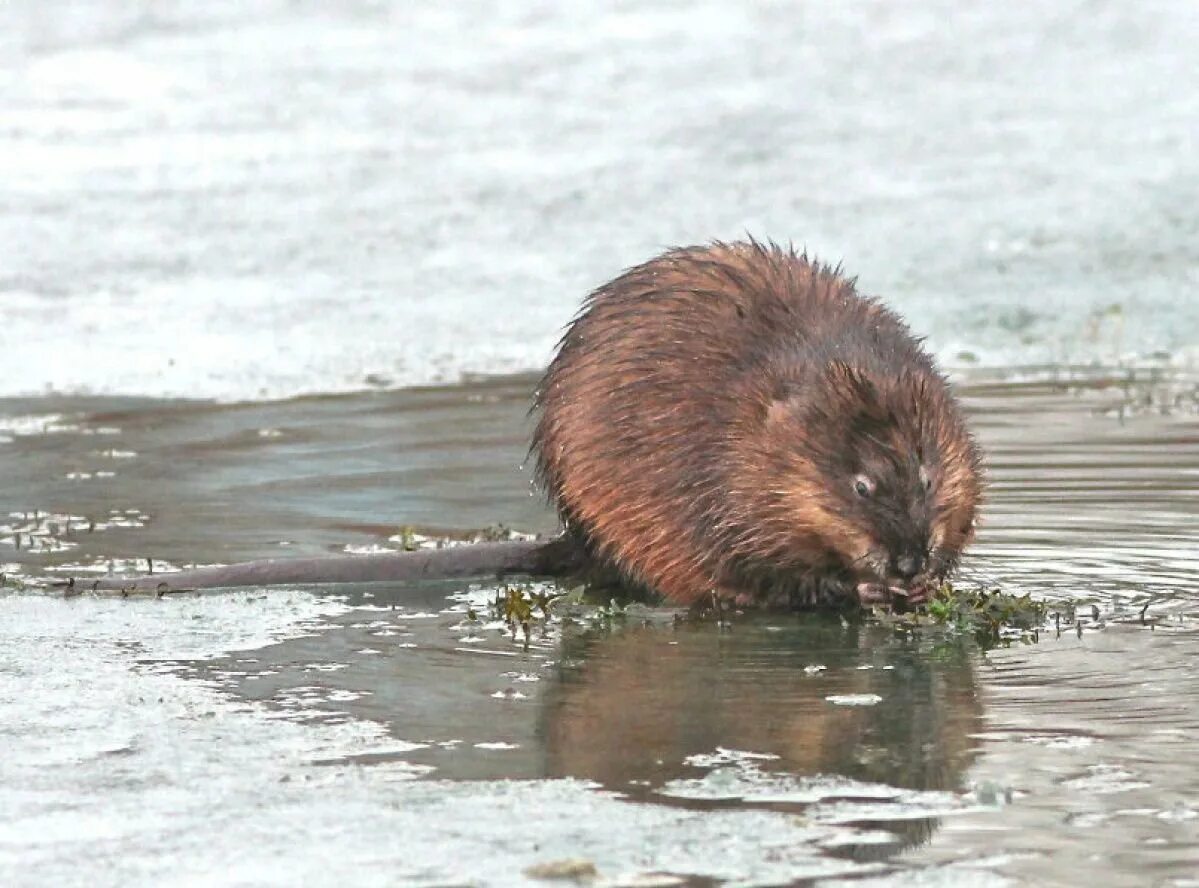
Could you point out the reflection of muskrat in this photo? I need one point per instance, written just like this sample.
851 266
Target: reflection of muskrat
737 418
731 419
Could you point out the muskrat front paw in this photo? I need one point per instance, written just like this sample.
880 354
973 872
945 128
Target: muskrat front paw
918 594
870 594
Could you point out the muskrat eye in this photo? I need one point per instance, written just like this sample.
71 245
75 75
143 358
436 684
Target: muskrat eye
863 486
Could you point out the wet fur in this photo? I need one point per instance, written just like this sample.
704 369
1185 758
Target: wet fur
705 415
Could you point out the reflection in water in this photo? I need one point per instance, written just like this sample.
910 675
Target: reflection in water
1093 497
638 710
629 709
800 714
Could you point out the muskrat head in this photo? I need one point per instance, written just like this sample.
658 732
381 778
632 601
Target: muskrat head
883 475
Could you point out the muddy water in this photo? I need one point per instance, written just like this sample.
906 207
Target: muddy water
386 725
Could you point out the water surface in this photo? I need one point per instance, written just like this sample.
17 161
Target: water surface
387 726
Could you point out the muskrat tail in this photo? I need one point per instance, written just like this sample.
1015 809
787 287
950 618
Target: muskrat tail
538 558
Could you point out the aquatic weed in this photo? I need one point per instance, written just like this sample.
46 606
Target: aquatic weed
992 617
407 538
518 606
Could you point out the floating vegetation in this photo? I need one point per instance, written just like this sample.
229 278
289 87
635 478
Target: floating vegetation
519 605
408 538
499 533
992 617
412 538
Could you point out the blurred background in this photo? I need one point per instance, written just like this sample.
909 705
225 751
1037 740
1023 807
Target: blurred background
246 201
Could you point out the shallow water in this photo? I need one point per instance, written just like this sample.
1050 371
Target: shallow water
141 734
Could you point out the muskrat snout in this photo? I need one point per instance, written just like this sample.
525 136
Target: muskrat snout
908 565
901 568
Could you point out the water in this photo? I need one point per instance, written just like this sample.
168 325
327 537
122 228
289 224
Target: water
142 733
233 203
276 281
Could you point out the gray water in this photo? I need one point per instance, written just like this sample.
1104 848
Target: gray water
274 280
381 735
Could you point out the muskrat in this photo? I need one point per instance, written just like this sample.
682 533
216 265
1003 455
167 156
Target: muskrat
731 420
736 419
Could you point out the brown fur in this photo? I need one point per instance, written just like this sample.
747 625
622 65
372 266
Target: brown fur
708 412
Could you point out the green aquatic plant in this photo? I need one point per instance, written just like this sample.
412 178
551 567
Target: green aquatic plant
991 616
519 605
407 538
499 533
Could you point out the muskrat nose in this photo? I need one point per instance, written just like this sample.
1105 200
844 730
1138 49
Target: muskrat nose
908 565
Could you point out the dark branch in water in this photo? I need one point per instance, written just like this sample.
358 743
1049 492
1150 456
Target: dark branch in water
554 557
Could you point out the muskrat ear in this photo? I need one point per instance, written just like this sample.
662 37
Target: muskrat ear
777 412
784 401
